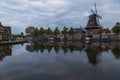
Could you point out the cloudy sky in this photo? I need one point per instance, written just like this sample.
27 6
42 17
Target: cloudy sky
20 14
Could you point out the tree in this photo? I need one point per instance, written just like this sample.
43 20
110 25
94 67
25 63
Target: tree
29 30
64 31
41 31
35 32
71 32
56 31
116 28
48 31
22 34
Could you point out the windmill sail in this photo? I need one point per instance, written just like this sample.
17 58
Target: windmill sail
97 15
94 18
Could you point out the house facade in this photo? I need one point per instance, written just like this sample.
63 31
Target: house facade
5 32
79 33
101 34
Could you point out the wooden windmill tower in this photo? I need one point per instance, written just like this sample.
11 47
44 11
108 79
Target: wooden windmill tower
93 22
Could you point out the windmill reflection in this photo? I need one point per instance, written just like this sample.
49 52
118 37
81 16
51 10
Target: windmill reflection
93 53
5 50
93 50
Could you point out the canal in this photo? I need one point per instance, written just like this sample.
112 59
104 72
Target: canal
60 61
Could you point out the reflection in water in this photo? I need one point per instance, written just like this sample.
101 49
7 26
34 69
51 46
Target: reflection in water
5 50
116 52
93 50
61 61
93 53
65 46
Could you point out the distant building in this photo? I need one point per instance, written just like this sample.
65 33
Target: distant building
79 33
5 32
105 33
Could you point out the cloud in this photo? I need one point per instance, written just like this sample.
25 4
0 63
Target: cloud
20 14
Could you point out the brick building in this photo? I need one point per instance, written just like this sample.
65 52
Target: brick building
5 32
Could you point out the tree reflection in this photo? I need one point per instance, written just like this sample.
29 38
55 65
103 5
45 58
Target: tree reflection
49 48
56 46
93 50
30 48
65 49
71 47
116 52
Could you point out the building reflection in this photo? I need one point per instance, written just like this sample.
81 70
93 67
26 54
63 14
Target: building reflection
5 50
93 50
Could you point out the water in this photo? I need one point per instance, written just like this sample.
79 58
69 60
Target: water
60 61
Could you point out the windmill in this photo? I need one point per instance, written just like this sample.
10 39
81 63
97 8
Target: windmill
94 19
93 23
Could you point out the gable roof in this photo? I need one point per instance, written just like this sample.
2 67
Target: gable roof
79 30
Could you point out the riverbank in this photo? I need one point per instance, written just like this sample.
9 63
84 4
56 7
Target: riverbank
13 42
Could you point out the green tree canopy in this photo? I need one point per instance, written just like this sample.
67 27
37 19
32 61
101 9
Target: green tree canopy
116 28
71 31
35 32
56 31
41 31
22 34
48 31
29 30
65 30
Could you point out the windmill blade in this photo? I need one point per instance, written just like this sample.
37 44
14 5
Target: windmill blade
98 22
95 8
93 11
96 12
99 16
